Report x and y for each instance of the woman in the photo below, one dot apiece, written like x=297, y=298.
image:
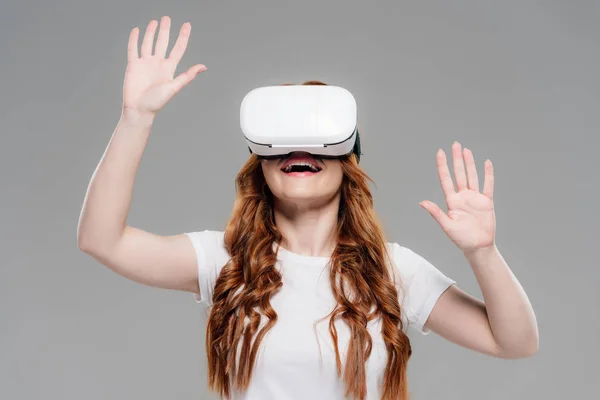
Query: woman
x=307, y=299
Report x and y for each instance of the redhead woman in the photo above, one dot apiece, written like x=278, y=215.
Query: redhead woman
x=307, y=298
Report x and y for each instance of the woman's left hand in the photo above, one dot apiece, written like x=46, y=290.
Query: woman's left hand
x=470, y=222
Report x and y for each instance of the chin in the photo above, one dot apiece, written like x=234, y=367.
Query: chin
x=304, y=190
x=299, y=195
x=305, y=196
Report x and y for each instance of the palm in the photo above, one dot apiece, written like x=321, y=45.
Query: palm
x=149, y=79
x=470, y=220
x=146, y=83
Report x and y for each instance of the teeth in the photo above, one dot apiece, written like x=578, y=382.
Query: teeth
x=289, y=167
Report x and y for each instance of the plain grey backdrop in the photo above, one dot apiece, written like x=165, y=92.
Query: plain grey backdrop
x=515, y=81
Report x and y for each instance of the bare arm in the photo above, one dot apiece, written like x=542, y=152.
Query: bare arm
x=504, y=324
x=159, y=261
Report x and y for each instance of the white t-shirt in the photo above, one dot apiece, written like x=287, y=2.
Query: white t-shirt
x=292, y=363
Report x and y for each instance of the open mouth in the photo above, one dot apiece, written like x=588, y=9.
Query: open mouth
x=301, y=168
x=300, y=164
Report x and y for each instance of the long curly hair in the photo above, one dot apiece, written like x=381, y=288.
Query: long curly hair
x=361, y=283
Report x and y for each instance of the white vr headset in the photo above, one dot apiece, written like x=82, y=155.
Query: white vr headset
x=318, y=119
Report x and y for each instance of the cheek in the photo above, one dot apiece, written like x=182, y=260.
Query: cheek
x=267, y=167
x=334, y=170
x=270, y=170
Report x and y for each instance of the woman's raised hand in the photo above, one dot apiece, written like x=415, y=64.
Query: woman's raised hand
x=149, y=78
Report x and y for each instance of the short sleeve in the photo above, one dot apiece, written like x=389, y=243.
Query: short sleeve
x=421, y=284
x=211, y=256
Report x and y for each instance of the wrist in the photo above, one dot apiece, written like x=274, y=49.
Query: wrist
x=481, y=253
x=135, y=117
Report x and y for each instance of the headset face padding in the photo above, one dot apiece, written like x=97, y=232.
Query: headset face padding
x=356, y=150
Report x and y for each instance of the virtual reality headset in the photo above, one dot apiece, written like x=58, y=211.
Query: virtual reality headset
x=318, y=119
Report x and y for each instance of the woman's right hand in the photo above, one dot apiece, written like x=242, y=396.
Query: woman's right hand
x=149, y=82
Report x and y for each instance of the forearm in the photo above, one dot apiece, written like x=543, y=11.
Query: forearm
x=108, y=198
x=510, y=314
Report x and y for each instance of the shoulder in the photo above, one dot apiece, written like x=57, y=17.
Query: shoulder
x=421, y=283
x=209, y=245
x=413, y=269
x=211, y=256
x=404, y=260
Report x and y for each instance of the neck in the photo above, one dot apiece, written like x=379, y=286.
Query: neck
x=308, y=231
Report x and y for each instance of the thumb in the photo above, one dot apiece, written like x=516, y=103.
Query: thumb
x=186, y=77
x=436, y=212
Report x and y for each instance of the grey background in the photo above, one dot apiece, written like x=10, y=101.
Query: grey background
x=515, y=81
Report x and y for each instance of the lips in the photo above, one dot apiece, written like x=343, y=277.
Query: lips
x=301, y=158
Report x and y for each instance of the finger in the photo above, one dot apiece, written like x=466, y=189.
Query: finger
x=444, y=174
x=149, y=38
x=132, y=45
x=471, y=170
x=162, y=42
x=437, y=213
x=181, y=43
x=488, y=183
x=459, y=167
x=186, y=77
